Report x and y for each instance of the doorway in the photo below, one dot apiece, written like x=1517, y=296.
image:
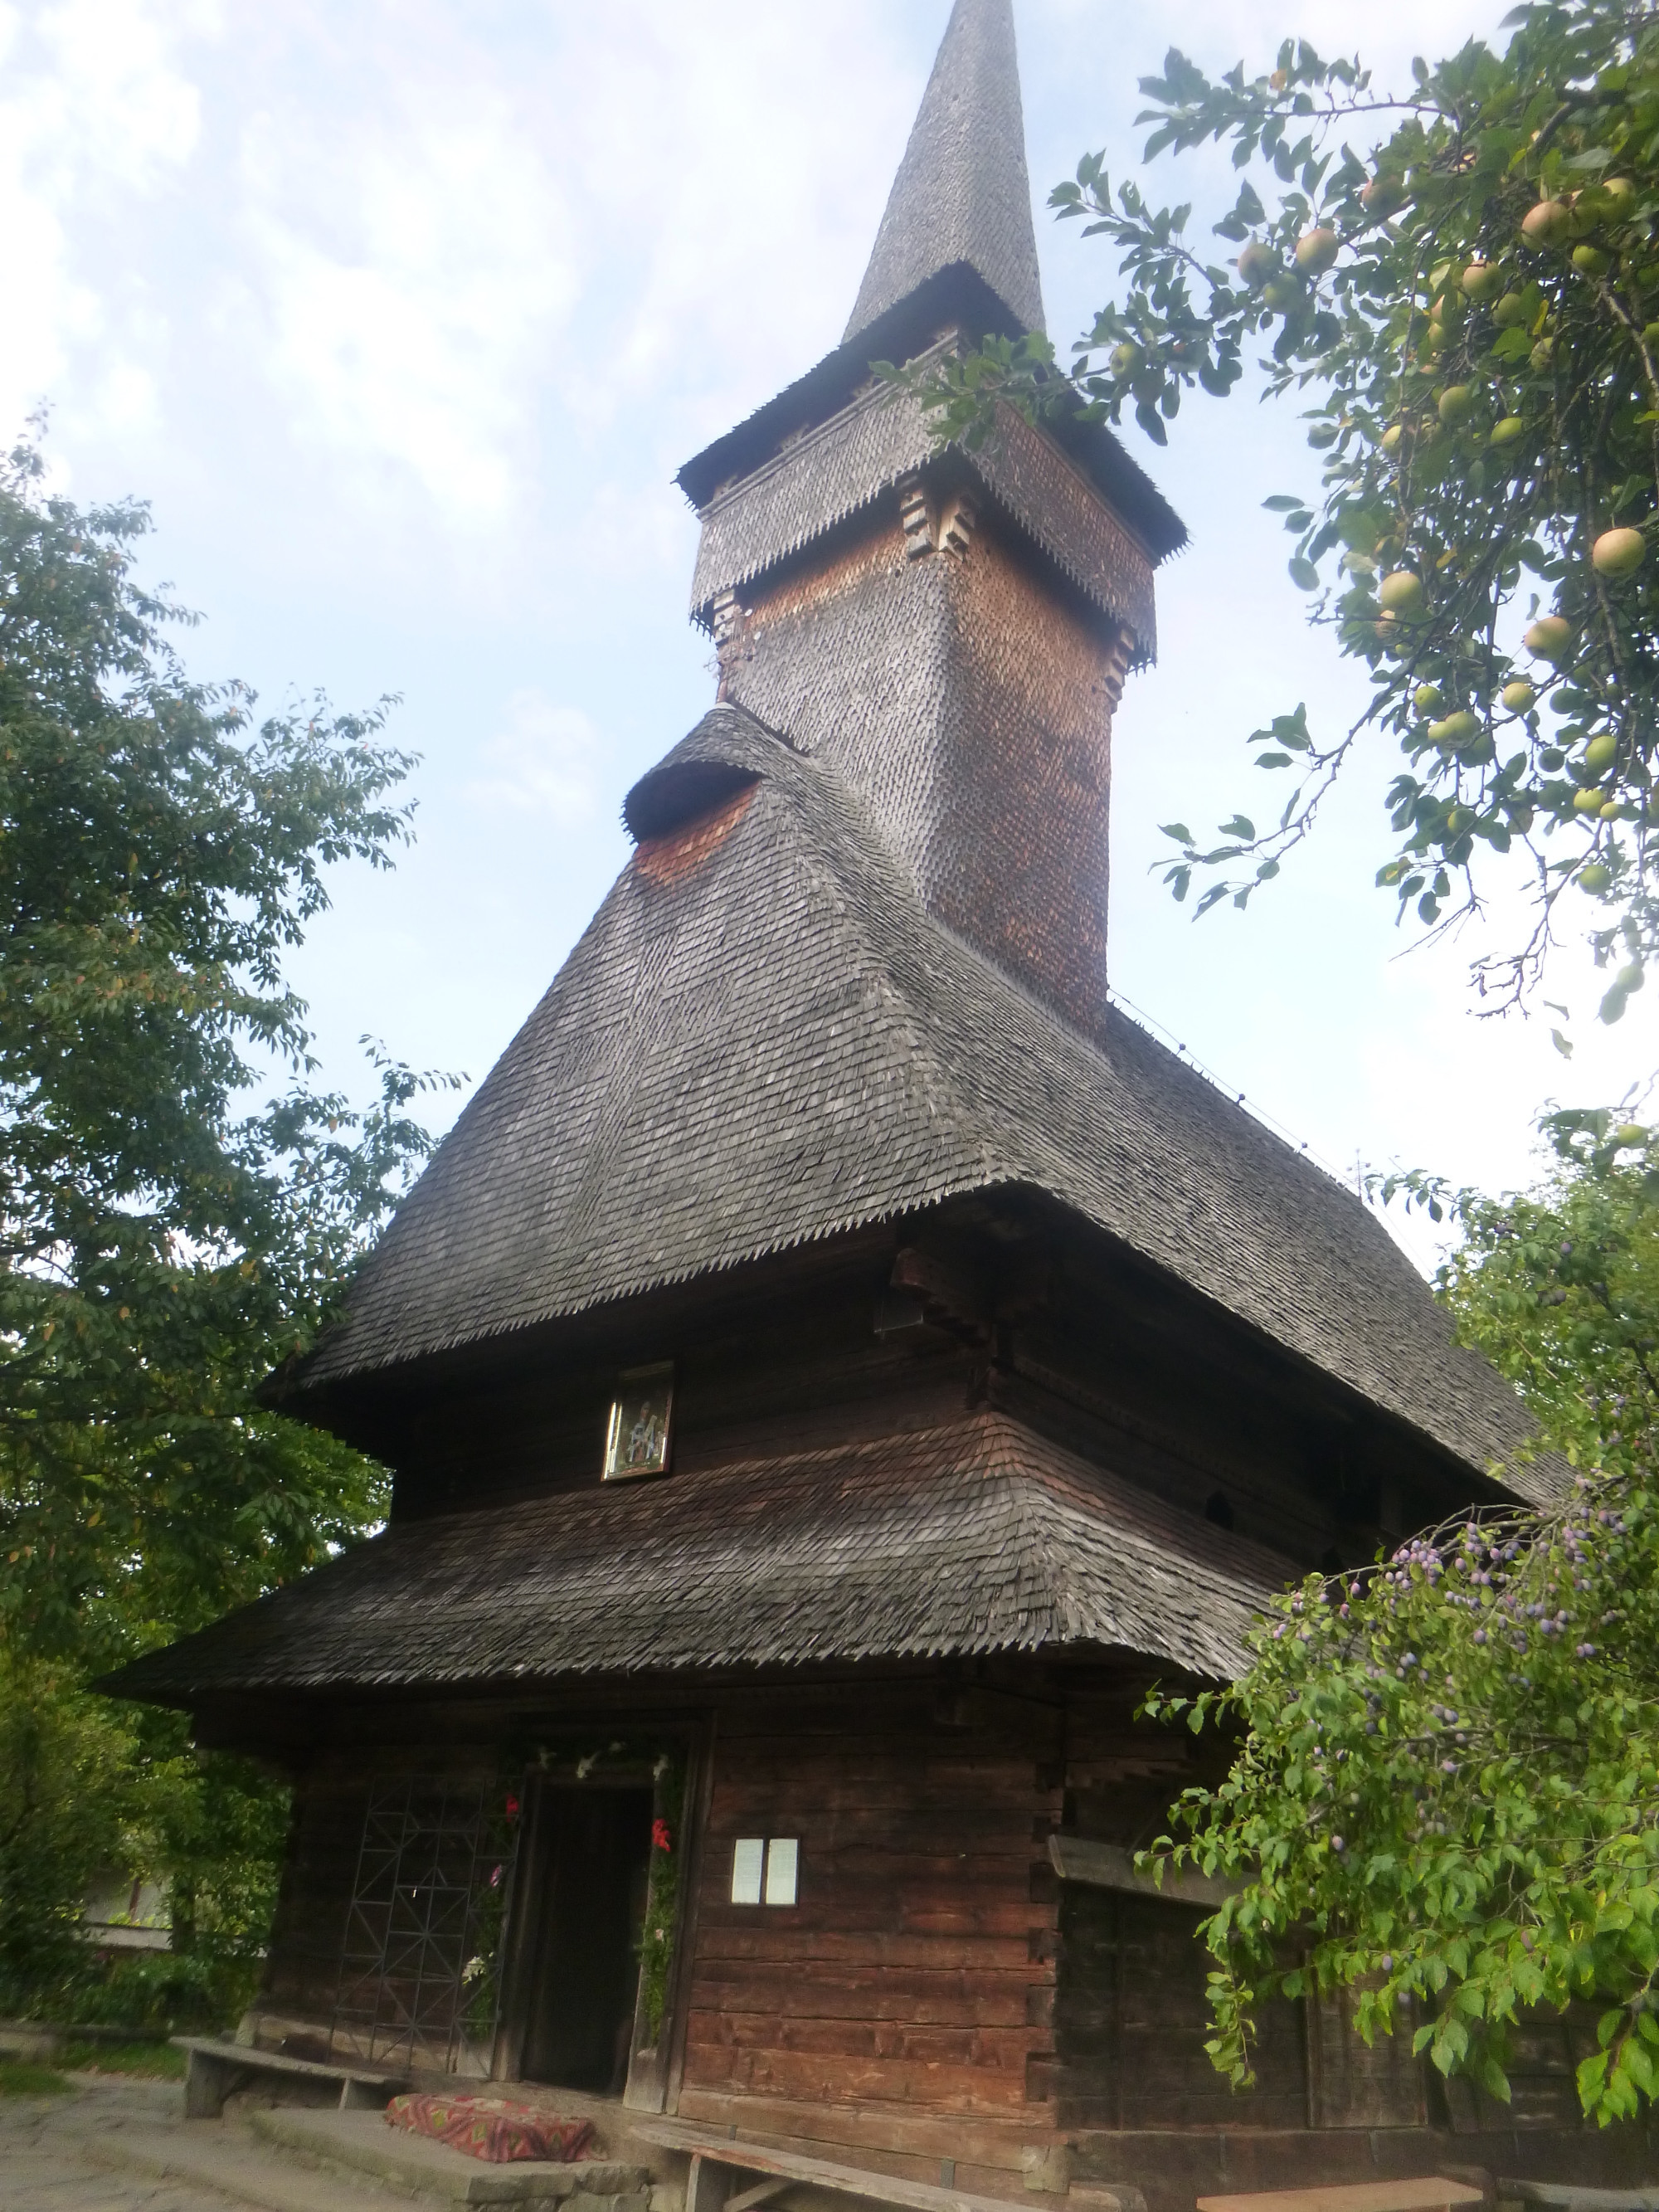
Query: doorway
x=586, y=1977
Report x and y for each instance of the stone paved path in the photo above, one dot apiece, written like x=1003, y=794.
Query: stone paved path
x=45, y=2164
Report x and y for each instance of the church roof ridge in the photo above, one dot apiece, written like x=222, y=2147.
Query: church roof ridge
x=963, y=193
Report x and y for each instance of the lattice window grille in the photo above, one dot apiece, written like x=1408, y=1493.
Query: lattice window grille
x=416, y=1982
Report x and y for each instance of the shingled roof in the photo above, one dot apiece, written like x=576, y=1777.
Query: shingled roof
x=961, y=194
x=975, y=1538
x=763, y=1038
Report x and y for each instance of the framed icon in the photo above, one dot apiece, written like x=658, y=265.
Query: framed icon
x=636, y=1442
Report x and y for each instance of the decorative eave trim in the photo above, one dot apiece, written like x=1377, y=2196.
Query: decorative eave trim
x=849, y=464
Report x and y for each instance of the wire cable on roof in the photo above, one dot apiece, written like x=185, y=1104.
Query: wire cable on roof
x=1150, y=1023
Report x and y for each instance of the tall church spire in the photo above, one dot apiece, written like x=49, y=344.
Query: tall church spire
x=962, y=193
x=947, y=631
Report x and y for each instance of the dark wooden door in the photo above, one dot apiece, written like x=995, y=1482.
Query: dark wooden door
x=580, y=2009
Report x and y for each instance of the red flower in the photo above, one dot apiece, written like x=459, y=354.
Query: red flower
x=512, y=1808
x=660, y=1840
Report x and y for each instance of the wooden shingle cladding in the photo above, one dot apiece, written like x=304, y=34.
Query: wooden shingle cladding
x=969, y=705
x=783, y=1047
x=852, y=466
x=962, y=193
x=977, y=1537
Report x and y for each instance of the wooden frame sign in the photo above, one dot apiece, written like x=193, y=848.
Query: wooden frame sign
x=636, y=1442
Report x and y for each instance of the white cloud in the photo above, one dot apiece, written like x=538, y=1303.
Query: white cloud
x=547, y=761
x=411, y=271
x=98, y=115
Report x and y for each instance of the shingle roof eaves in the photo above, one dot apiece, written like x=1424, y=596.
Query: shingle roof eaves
x=958, y=296
x=978, y=1537
x=313, y=1373
x=851, y=464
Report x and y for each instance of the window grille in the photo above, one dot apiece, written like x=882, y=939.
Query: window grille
x=418, y=1984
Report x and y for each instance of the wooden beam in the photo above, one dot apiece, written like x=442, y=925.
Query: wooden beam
x=1429, y=2192
x=710, y=2152
x=1106, y=1866
x=762, y=2193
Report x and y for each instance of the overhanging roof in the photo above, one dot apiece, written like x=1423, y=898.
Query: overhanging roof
x=978, y=1537
x=764, y=1039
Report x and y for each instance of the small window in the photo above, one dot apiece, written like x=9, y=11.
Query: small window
x=765, y=1870
x=636, y=1442
x=782, y=1866
x=748, y=1858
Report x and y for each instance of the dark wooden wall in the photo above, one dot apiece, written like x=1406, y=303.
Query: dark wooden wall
x=1045, y=1321
x=308, y=1935
x=1131, y=2019
x=936, y=1994
x=905, y=2001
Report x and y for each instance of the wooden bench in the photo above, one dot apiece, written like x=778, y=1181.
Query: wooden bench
x=1576, y=2196
x=719, y=2164
x=218, y=2068
x=1429, y=2192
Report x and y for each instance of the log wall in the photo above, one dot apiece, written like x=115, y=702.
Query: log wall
x=905, y=2001
x=937, y=2000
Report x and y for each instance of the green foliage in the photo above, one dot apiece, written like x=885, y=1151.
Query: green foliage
x=662, y=1902
x=20, y=2081
x=148, y=2062
x=1486, y=408
x=66, y=1815
x=1449, y=1771
x=166, y=1240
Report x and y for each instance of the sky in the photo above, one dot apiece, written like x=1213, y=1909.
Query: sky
x=401, y=315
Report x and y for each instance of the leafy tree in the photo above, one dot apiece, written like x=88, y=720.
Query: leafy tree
x=1449, y=1766
x=1472, y=309
x=166, y=1240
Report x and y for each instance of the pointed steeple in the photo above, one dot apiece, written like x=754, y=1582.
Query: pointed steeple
x=962, y=193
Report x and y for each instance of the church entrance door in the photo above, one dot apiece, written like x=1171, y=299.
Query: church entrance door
x=585, y=1981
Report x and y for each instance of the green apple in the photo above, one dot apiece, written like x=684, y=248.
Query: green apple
x=1547, y=223
x=1315, y=250
x=1400, y=592
x=1383, y=197
x=1618, y=552
x=1519, y=696
x=1456, y=404
x=1256, y=263
x=1550, y=637
x=1620, y=194
x=1600, y=752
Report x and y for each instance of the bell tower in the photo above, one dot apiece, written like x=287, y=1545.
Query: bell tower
x=950, y=630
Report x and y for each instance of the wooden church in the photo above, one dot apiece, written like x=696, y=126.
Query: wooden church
x=835, y=1364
